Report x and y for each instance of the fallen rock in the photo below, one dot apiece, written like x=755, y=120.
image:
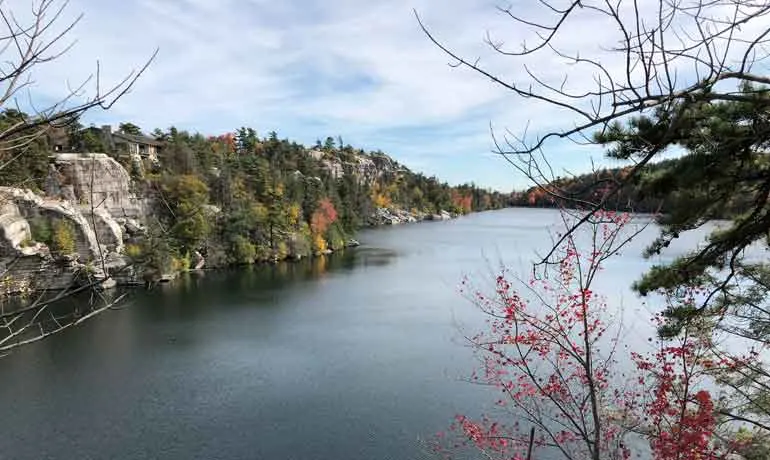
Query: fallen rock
x=133, y=227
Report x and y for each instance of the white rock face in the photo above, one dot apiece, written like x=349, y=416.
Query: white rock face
x=385, y=216
x=87, y=190
x=15, y=229
x=108, y=232
x=366, y=167
x=95, y=179
x=29, y=205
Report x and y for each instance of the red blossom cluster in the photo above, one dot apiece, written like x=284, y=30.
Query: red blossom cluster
x=678, y=412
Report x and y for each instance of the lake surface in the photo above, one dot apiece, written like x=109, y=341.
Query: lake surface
x=359, y=355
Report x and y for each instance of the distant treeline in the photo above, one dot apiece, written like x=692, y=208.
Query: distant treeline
x=646, y=192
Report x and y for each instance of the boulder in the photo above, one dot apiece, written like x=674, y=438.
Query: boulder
x=132, y=227
x=14, y=228
x=109, y=232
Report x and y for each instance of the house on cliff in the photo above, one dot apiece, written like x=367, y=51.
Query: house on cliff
x=120, y=143
x=59, y=139
x=103, y=140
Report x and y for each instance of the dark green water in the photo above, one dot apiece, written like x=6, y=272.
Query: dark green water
x=352, y=357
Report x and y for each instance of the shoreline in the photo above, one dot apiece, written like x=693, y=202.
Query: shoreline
x=382, y=217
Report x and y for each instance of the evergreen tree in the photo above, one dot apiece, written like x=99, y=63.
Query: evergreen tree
x=130, y=128
x=724, y=161
x=246, y=140
x=25, y=162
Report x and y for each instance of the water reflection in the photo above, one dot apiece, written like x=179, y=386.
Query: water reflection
x=374, y=257
x=329, y=351
x=259, y=285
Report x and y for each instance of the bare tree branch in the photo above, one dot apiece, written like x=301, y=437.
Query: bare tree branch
x=28, y=42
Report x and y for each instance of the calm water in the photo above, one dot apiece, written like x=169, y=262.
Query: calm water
x=356, y=356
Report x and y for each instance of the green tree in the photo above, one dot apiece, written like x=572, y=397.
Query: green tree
x=329, y=144
x=724, y=161
x=130, y=128
x=179, y=158
x=312, y=195
x=243, y=250
x=246, y=141
x=187, y=197
x=276, y=219
x=25, y=165
x=87, y=141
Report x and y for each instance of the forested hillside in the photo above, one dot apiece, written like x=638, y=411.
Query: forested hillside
x=272, y=198
x=239, y=198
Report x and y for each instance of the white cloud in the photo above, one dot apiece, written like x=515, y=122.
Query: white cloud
x=313, y=68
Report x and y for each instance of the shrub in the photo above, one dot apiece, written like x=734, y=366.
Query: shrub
x=301, y=243
x=264, y=252
x=63, y=238
x=319, y=244
x=186, y=196
x=181, y=264
x=282, y=250
x=134, y=251
x=244, y=252
x=156, y=252
x=40, y=229
x=336, y=238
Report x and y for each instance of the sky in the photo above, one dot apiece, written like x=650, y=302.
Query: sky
x=308, y=69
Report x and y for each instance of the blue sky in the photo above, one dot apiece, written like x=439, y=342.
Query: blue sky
x=310, y=68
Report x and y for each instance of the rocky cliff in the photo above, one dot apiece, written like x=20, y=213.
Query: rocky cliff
x=366, y=168
x=75, y=230
x=95, y=181
x=89, y=195
x=88, y=224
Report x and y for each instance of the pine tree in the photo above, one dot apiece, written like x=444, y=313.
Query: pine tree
x=725, y=168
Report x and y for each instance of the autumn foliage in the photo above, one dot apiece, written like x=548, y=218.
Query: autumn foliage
x=223, y=144
x=680, y=420
x=683, y=409
x=542, y=195
x=553, y=354
x=463, y=203
x=380, y=196
x=546, y=359
x=323, y=217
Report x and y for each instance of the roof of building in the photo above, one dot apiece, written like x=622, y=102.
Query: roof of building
x=141, y=139
x=138, y=139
